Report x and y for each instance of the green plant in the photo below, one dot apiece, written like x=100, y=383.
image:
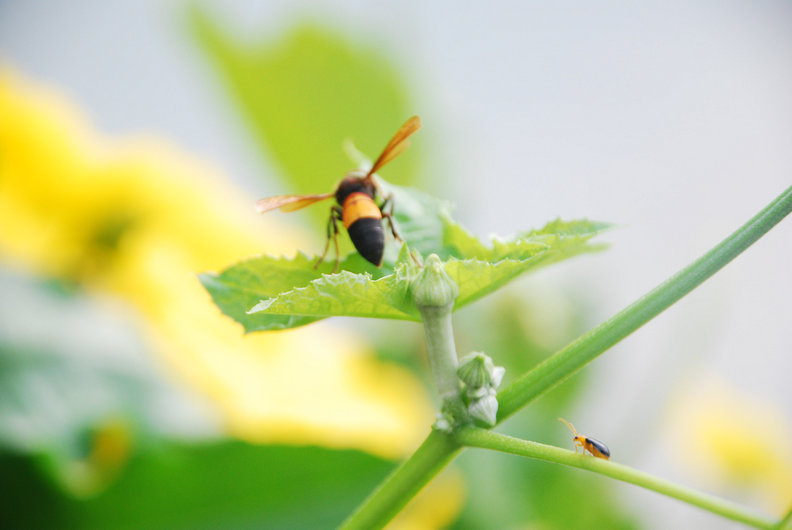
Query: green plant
x=268, y=293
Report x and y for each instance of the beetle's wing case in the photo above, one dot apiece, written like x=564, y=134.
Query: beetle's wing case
x=599, y=447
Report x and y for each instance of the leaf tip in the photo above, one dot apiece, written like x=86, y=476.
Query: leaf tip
x=263, y=305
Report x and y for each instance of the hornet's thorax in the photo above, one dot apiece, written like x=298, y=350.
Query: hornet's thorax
x=357, y=208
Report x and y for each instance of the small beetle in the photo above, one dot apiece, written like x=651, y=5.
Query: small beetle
x=595, y=447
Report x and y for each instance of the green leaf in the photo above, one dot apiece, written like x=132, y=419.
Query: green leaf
x=425, y=223
x=349, y=294
x=242, y=286
x=269, y=293
x=305, y=92
x=421, y=219
x=193, y=486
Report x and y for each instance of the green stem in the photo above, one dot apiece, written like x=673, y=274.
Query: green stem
x=786, y=522
x=441, y=351
x=476, y=437
x=434, y=293
x=436, y=452
x=404, y=483
x=572, y=358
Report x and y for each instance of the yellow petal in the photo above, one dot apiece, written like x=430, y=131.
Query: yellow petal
x=137, y=219
x=734, y=440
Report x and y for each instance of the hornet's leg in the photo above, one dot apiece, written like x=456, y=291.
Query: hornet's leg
x=332, y=233
x=389, y=215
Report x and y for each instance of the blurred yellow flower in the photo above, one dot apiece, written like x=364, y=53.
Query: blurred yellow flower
x=735, y=441
x=136, y=219
x=436, y=506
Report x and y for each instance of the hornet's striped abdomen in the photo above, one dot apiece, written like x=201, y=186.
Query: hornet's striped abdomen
x=363, y=220
x=358, y=205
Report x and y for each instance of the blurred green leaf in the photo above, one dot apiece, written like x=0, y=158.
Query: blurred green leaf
x=77, y=386
x=421, y=219
x=221, y=485
x=52, y=399
x=305, y=92
x=287, y=293
x=563, y=498
x=521, y=328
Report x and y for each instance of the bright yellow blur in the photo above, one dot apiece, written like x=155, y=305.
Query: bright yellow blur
x=137, y=219
x=735, y=441
x=435, y=506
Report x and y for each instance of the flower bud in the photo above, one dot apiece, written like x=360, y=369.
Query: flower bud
x=452, y=414
x=433, y=287
x=497, y=374
x=443, y=423
x=485, y=409
x=476, y=393
x=477, y=370
x=473, y=370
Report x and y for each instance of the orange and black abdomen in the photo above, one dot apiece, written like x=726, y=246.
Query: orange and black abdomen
x=363, y=220
x=597, y=448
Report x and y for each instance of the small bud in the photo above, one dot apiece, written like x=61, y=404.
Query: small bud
x=451, y=414
x=473, y=370
x=497, y=375
x=433, y=287
x=477, y=393
x=443, y=423
x=477, y=370
x=485, y=409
